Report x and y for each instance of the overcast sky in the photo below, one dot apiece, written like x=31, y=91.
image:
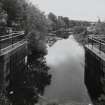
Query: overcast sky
x=75, y=9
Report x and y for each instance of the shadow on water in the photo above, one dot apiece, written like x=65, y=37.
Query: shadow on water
x=66, y=60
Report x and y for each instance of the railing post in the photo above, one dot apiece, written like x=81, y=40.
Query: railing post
x=92, y=42
x=88, y=41
x=100, y=47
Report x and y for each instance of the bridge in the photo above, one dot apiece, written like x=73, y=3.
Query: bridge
x=13, y=55
x=95, y=68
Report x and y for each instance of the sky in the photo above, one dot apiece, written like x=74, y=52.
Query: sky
x=74, y=9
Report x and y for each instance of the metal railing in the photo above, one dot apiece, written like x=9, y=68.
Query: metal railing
x=97, y=41
x=9, y=39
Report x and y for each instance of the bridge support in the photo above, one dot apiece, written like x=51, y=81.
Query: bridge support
x=95, y=75
x=11, y=61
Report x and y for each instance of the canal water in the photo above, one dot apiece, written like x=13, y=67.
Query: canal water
x=66, y=60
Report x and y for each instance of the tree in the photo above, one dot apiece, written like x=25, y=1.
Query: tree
x=27, y=83
x=53, y=18
x=15, y=10
x=100, y=28
x=79, y=29
x=3, y=20
x=60, y=22
x=67, y=22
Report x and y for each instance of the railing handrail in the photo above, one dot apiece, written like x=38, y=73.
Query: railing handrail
x=14, y=33
x=9, y=36
x=100, y=39
x=97, y=42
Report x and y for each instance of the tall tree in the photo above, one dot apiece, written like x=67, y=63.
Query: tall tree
x=3, y=19
x=15, y=10
x=100, y=27
x=60, y=22
x=67, y=22
x=53, y=18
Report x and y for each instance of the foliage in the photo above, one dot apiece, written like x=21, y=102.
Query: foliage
x=79, y=29
x=52, y=17
x=100, y=28
x=40, y=76
x=53, y=21
x=67, y=22
x=73, y=23
x=3, y=19
x=80, y=34
x=15, y=10
x=25, y=84
x=60, y=23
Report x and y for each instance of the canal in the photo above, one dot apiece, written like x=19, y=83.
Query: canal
x=66, y=60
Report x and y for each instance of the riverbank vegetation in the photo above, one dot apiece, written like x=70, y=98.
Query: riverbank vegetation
x=16, y=15
x=95, y=28
x=63, y=27
x=26, y=84
x=58, y=25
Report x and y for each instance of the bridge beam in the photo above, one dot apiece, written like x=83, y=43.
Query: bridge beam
x=12, y=59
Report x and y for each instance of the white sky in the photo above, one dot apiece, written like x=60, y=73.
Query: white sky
x=75, y=9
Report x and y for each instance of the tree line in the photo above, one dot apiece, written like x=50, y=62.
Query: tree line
x=61, y=24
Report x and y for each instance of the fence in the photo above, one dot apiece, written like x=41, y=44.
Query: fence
x=9, y=39
x=97, y=41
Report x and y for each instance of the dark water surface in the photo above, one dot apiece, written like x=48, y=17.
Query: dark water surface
x=66, y=59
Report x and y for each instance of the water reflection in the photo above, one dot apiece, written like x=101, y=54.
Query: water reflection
x=66, y=59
